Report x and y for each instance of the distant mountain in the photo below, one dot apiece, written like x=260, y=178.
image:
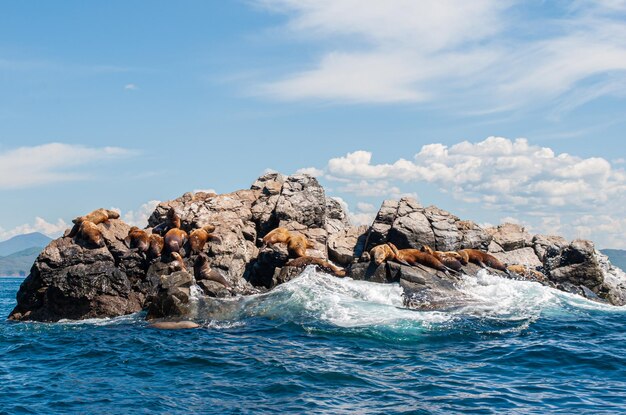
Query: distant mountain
x=617, y=257
x=19, y=263
x=21, y=242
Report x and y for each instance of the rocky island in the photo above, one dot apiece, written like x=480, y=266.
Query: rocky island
x=74, y=278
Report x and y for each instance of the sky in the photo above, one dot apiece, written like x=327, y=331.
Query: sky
x=494, y=110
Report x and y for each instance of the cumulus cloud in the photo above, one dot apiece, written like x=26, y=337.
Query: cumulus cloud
x=131, y=87
x=359, y=217
x=50, y=163
x=495, y=172
x=546, y=191
x=494, y=53
x=139, y=217
x=53, y=230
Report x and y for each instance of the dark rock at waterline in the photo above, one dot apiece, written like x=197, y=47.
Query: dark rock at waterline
x=172, y=297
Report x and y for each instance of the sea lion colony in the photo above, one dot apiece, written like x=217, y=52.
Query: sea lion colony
x=170, y=243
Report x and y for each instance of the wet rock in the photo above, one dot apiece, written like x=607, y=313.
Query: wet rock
x=577, y=264
x=346, y=245
x=173, y=296
x=71, y=281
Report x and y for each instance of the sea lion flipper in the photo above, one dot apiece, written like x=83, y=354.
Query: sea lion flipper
x=403, y=262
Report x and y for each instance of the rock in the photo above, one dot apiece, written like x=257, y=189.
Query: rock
x=541, y=243
x=521, y=256
x=424, y=288
x=302, y=200
x=408, y=225
x=346, y=245
x=69, y=281
x=173, y=296
x=577, y=264
x=510, y=236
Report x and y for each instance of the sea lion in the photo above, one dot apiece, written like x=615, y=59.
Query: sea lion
x=138, y=239
x=297, y=243
x=96, y=217
x=482, y=259
x=174, y=325
x=175, y=239
x=178, y=264
x=172, y=221
x=156, y=245
x=199, y=237
x=89, y=233
x=382, y=253
x=325, y=266
x=415, y=256
x=278, y=235
x=203, y=271
x=526, y=272
x=450, y=259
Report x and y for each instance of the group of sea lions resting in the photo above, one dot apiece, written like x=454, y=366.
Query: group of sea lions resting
x=445, y=261
x=169, y=241
x=86, y=227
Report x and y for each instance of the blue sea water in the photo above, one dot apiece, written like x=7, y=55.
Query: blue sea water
x=319, y=344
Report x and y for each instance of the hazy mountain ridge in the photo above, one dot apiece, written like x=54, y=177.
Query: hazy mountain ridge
x=21, y=242
x=18, y=254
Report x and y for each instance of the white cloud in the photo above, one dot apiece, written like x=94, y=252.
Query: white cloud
x=53, y=230
x=311, y=171
x=139, y=217
x=545, y=191
x=358, y=218
x=489, y=52
x=50, y=163
x=496, y=172
x=131, y=87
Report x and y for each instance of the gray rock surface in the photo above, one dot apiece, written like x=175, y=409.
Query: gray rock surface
x=511, y=236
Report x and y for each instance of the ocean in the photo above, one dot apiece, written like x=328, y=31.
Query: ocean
x=322, y=345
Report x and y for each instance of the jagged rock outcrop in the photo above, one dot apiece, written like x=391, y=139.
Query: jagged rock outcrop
x=576, y=268
x=72, y=280
x=407, y=224
x=172, y=298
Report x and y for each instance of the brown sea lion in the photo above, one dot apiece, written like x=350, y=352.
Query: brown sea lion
x=156, y=245
x=174, y=325
x=138, y=239
x=178, y=264
x=415, y=256
x=199, y=237
x=278, y=235
x=96, y=217
x=297, y=243
x=172, y=221
x=175, y=239
x=203, y=271
x=450, y=259
x=325, y=266
x=527, y=272
x=89, y=233
x=382, y=253
x=482, y=259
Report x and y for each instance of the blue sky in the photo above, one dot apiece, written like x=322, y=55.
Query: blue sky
x=121, y=103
